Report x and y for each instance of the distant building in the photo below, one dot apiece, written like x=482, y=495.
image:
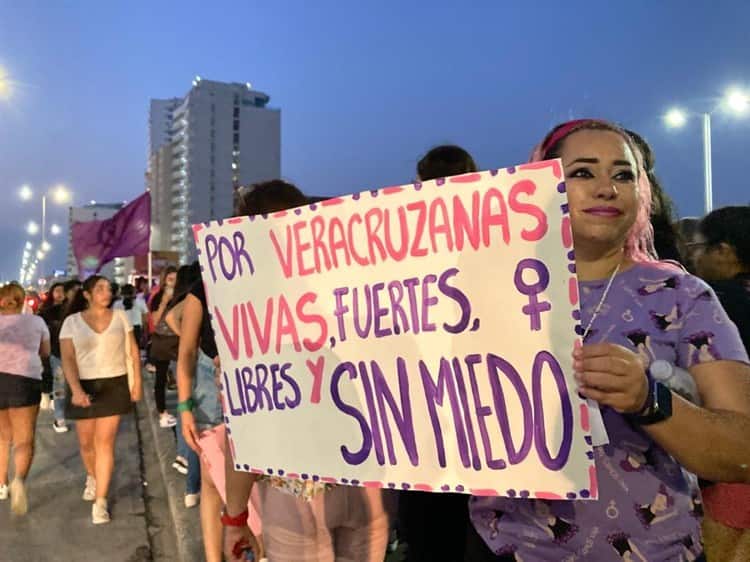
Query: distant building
x=201, y=148
x=117, y=270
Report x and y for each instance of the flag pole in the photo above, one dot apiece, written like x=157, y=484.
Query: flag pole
x=149, y=259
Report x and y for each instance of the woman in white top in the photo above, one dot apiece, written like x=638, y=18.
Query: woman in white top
x=93, y=342
x=24, y=341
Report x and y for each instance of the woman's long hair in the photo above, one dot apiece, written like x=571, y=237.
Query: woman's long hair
x=187, y=275
x=639, y=243
x=79, y=302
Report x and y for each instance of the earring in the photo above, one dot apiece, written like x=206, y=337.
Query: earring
x=614, y=188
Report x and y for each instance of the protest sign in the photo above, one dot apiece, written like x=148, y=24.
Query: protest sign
x=412, y=337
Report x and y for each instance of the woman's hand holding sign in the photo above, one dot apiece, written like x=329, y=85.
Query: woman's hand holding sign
x=612, y=375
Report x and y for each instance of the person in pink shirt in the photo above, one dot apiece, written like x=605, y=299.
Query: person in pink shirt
x=24, y=342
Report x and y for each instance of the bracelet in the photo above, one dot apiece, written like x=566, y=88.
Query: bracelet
x=236, y=521
x=185, y=405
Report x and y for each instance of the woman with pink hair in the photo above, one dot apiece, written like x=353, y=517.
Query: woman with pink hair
x=645, y=514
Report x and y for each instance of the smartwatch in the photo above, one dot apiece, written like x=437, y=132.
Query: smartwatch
x=658, y=406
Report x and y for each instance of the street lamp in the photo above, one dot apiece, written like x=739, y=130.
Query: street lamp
x=25, y=192
x=60, y=195
x=736, y=102
x=675, y=118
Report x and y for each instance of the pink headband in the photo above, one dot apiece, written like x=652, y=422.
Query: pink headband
x=564, y=130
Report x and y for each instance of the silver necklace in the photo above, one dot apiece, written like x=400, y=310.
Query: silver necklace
x=601, y=301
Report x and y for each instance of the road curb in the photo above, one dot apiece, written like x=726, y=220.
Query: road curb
x=186, y=521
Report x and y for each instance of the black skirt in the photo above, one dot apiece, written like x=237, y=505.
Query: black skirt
x=109, y=397
x=17, y=391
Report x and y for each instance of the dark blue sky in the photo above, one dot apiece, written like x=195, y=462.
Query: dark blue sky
x=364, y=87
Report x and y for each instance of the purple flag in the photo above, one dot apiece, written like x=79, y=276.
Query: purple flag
x=96, y=243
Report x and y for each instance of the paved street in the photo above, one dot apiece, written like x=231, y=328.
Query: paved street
x=58, y=526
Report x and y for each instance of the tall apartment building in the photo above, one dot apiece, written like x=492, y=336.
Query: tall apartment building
x=202, y=147
x=117, y=270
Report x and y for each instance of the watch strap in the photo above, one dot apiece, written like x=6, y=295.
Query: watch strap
x=660, y=407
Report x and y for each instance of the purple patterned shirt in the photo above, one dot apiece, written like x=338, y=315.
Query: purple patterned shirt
x=648, y=510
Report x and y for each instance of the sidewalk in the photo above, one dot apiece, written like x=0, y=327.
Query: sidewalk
x=58, y=525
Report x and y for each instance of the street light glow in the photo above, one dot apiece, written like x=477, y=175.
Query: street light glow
x=39, y=255
x=60, y=195
x=46, y=246
x=25, y=193
x=55, y=230
x=675, y=118
x=737, y=101
x=6, y=85
x=32, y=228
x=28, y=245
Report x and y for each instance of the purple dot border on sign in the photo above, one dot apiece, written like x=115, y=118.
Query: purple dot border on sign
x=561, y=187
x=510, y=170
x=417, y=185
x=460, y=488
x=445, y=488
x=355, y=196
x=511, y=493
x=571, y=495
x=246, y=467
x=585, y=493
x=298, y=211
